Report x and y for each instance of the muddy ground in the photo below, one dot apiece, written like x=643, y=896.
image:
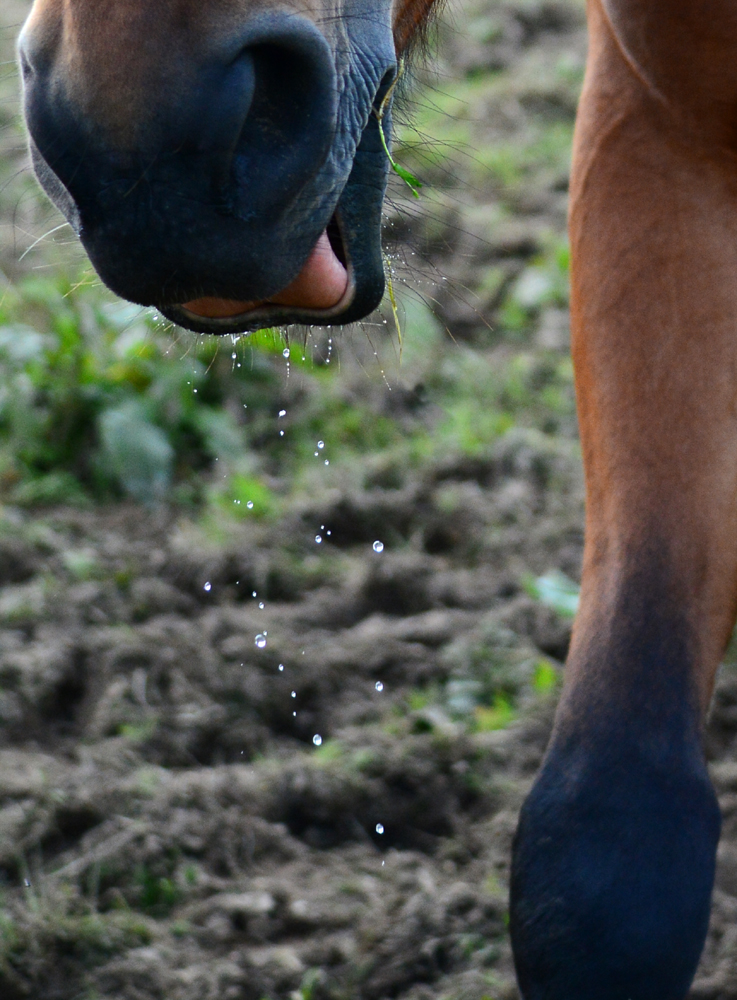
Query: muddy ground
x=248, y=764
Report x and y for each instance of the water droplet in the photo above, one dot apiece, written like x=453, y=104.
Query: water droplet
x=250, y=506
x=294, y=694
x=327, y=461
x=261, y=605
x=294, y=715
x=379, y=828
x=282, y=413
x=281, y=434
x=318, y=539
x=320, y=445
x=207, y=587
x=260, y=640
x=317, y=739
x=194, y=390
x=379, y=686
x=234, y=355
x=328, y=533
x=285, y=352
x=383, y=863
x=378, y=546
x=254, y=594
x=281, y=666
x=315, y=454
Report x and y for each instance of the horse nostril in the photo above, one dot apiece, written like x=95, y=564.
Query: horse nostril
x=289, y=127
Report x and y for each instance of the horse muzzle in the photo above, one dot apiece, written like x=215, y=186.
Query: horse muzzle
x=232, y=194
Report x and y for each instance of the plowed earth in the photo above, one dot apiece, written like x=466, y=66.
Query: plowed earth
x=206, y=799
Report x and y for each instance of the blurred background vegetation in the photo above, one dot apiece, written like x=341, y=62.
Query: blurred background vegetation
x=102, y=400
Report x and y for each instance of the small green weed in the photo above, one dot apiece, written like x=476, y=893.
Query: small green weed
x=496, y=716
x=156, y=895
x=545, y=679
x=555, y=590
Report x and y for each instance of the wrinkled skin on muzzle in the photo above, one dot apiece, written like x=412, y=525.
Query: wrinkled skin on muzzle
x=219, y=159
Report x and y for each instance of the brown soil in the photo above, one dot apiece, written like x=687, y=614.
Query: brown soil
x=191, y=814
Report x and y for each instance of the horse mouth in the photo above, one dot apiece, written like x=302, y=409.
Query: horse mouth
x=321, y=292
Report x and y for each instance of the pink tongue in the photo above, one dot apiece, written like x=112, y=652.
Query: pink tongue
x=320, y=284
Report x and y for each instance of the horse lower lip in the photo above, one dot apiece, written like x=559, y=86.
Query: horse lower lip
x=320, y=285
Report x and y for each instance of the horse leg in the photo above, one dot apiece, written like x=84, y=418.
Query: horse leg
x=613, y=860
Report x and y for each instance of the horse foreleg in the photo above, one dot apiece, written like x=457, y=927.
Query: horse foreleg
x=614, y=856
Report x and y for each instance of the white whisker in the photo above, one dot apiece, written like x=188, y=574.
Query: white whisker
x=41, y=238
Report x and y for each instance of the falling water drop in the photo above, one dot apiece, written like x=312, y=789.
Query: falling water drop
x=317, y=739
x=294, y=694
x=260, y=640
x=379, y=686
x=281, y=667
x=379, y=828
x=207, y=587
x=286, y=352
x=250, y=505
x=261, y=605
x=318, y=539
x=378, y=546
x=282, y=413
x=320, y=445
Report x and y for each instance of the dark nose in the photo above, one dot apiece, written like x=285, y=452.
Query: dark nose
x=261, y=114
x=234, y=137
